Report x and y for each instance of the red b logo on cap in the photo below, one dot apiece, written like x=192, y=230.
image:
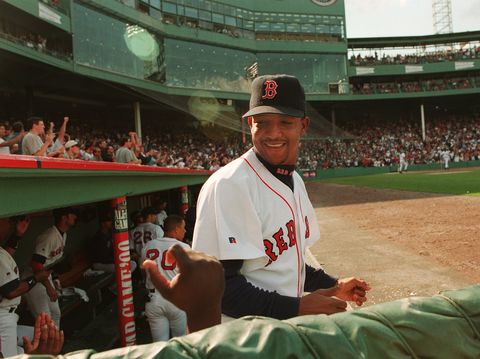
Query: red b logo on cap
x=270, y=89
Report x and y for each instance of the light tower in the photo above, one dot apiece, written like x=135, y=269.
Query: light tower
x=442, y=16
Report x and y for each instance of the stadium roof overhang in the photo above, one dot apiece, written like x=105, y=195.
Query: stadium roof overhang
x=31, y=184
x=412, y=41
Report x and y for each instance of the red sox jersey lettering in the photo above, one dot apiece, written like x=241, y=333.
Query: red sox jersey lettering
x=268, y=223
x=270, y=90
x=154, y=253
x=56, y=251
x=279, y=245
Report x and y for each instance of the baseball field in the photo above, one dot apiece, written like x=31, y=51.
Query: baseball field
x=457, y=182
x=407, y=234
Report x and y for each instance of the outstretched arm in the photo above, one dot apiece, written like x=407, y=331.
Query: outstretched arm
x=197, y=288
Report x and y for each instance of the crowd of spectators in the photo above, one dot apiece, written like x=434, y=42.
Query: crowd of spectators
x=369, y=88
x=380, y=143
x=52, y=45
x=472, y=52
x=179, y=149
x=372, y=143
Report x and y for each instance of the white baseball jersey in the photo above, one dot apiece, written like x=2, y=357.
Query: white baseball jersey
x=161, y=216
x=245, y=212
x=8, y=318
x=446, y=156
x=144, y=233
x=49, y=244
x=156, y=250
x=8, y=273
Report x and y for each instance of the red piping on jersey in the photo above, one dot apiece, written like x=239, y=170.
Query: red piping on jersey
x=294, y=222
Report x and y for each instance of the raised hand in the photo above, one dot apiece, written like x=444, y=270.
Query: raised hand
x=197, y=288
x=47, y=338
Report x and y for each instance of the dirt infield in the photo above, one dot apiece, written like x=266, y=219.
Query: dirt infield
x=403, y=243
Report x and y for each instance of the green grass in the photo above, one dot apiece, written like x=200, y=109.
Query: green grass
x=458, y=183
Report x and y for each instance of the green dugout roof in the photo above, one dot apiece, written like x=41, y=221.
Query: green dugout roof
x=30, y=184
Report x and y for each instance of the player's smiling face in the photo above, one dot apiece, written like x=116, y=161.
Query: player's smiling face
x=276, y=137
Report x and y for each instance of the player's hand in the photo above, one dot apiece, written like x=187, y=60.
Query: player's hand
x=65, y=119
x=22, y=226
x=197, y=288
x=352, y=289
x=47, y=338
x=42, y=276
x=321, y=302
x=52, y=293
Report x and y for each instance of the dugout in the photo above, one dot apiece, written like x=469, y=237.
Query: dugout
x=31, y=185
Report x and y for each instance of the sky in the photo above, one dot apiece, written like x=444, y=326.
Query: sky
x=381, y=18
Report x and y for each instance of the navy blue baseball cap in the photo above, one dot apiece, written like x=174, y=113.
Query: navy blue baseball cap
x=278, y=94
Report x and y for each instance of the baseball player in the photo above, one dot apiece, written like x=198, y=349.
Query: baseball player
x=162, y=315
x=161, y=206
x=12, y=288
x=145, y=232
x=254, y=215
x=403, y=163
x=445, y=155
x=48, y=250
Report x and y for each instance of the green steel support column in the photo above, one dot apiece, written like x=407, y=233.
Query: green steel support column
x=138, y=119
x=422, y=114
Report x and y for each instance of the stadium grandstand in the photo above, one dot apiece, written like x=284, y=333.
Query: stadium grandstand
x=173, y=77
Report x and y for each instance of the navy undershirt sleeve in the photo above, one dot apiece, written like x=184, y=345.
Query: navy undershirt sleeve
x=39, y=258
x=9, y=287
x=317, y=279
x=242, y=298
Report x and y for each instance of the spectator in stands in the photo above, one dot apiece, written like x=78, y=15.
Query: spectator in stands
x=86, y=154
x=125, y=154
x=72, y=151
x=5, y=144
x=32, y=143
x=17, y=129
x=58, y=144
x=97, y=154
x=104, y=149
x=48, y=251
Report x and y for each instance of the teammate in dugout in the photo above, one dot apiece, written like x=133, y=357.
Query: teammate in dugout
x=163, y=316
x=255, y=216
x=48, y=251
x=11, y=290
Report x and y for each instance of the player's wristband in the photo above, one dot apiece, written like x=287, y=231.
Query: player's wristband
x=12, y=241
x=31, y=281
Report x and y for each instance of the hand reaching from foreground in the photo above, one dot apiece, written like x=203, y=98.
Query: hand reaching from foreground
x=47, y=338
x=197, y=288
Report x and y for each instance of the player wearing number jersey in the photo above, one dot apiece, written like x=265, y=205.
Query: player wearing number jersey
x=255, y=216
x=146, y=231
x=162, y=315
